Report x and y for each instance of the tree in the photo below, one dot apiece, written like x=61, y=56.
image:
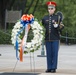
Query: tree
x=4, y=4
x=29, y=6
x=35, y=7
x=38, y=8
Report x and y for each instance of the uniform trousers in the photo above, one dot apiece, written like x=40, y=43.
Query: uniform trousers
x=52, y=48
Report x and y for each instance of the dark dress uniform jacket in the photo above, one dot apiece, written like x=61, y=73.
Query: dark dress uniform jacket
x=51, y=33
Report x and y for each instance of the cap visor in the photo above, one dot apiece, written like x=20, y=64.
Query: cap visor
x=51, y=6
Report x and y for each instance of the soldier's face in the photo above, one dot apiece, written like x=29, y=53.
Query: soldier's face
x=51, y=10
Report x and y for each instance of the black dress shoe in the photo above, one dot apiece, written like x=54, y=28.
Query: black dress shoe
x=48, y=70
x=53, y=70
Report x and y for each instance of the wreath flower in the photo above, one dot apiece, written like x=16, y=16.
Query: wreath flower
x=24, y=25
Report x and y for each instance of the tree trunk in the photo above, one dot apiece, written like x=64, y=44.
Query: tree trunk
x=2, y=13
x=29, y=7
x=3, y=6
x=35, y=7
x=10, y=4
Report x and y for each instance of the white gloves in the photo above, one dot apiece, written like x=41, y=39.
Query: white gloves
x=55, y=25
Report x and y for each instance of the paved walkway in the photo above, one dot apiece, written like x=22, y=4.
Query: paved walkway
x=36, y=65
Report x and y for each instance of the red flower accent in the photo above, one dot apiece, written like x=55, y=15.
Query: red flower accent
x=27, y=17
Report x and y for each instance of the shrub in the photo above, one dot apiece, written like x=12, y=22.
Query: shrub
x=5, y=37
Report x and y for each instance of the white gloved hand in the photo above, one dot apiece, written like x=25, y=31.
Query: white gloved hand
x=55, y=25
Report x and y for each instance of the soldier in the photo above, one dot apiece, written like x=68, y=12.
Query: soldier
x=53, y=25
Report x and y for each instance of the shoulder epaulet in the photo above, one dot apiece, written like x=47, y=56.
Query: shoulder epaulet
x=45, y=16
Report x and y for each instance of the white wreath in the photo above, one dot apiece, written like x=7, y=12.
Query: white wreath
x=35, y=43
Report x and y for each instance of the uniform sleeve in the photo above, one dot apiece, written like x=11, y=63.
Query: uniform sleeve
x=60, y=19
x=43, y=22
x=60, y=23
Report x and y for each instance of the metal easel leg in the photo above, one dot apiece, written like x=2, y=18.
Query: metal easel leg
x=32, y=66
x=15, y=66
x=34, y=62
x=30, y=62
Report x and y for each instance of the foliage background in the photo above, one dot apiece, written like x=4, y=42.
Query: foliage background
x=38, y=8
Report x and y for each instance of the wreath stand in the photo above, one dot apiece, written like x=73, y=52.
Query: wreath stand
x=32, y=66
x=19, y=26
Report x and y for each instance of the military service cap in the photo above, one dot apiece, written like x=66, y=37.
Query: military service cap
x=51, y=4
